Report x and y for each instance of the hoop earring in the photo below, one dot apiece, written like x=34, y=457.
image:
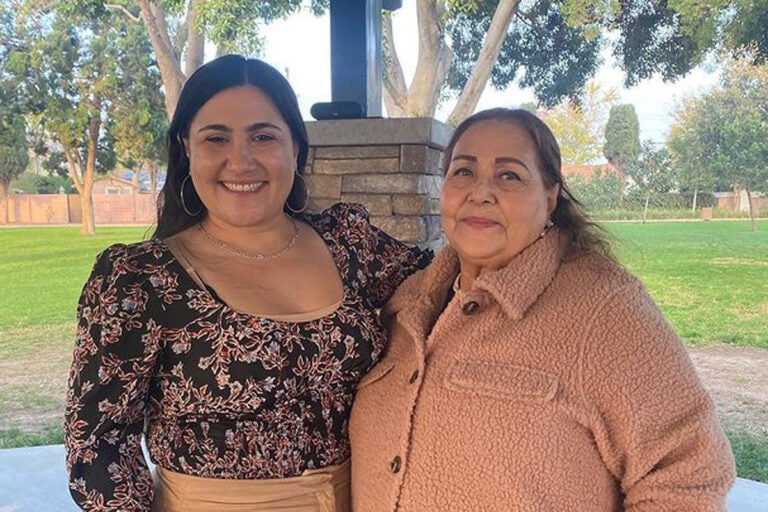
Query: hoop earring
x=184, y=203
x=306, y=196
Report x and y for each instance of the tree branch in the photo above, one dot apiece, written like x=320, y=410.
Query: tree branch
x=124, y=10
x=170, y=70
x=395, y=90
x=195, y=40
x=72, y=167
x=497, y=33
x=433, y=60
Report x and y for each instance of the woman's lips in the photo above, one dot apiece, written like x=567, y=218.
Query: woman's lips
x=479, y=222
x=253, y=186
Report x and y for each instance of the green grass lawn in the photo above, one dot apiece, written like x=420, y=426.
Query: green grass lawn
x=709, y=278
x=42, y=271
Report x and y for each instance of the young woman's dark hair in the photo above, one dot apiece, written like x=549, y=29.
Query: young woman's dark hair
x=569, y=215
x=173, y=216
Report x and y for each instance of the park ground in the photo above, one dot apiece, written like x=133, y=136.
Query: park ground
x=710, y=279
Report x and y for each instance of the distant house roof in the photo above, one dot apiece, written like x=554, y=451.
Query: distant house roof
x=115, y=178
x=588, y=171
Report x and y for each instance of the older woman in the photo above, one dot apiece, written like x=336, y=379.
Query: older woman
x=527, y=370
x=234, y=339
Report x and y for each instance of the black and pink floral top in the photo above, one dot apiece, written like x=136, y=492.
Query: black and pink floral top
x=218, y=392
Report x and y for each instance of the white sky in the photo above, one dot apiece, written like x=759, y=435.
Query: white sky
x=300, y=47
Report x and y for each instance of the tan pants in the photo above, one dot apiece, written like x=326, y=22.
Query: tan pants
x=319, y=490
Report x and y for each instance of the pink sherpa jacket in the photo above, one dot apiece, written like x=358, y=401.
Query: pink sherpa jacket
x=551, y=386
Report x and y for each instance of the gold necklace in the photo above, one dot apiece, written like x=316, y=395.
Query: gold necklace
x=253, y=255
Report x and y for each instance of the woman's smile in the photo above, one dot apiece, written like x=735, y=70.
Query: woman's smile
x=253, y=186
x=479, y=222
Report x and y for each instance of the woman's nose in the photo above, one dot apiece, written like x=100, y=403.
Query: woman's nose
x=241, y=154
x=482, y=191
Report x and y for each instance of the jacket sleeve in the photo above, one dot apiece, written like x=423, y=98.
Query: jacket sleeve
x=384, y=261
x=116, y=350
x=653, y=423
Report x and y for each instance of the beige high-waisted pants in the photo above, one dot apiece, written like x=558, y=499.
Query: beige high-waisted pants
x=319, y=490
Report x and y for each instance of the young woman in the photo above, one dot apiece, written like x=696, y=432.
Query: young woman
x=234, y=339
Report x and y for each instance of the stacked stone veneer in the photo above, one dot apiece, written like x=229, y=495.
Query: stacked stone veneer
x=391, y=166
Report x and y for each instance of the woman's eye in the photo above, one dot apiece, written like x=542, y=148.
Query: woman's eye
x=509, y=176
x=262, y=137
x=216, y=139
x=462, y=171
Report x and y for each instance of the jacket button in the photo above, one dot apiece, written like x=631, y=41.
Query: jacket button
x=470, y=307
x=414, y=376
x=395, y=464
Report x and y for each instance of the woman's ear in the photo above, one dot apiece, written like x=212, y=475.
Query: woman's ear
x=552, y=195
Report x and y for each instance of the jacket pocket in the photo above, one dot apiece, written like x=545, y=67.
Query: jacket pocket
x=379, y=371
x=504, y=381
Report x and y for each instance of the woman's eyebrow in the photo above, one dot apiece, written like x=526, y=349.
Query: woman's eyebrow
x=499, y=160
x=511, y=160
x=227, y=129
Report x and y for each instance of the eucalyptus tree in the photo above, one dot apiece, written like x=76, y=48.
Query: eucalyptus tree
x=735, y=27
x=687, y=152
x=14, y=156
x=138, y=122
x=178, y=30
x=551, y=46
x=726, y=130
x=652, y=173
x=76, y=69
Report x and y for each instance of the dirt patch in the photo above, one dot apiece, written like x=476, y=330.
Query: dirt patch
x=32, y=391
x=737, y=380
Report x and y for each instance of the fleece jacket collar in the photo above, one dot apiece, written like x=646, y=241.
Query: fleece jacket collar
x=514, y=287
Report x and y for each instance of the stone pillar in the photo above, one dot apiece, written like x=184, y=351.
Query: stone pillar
x=391, y=166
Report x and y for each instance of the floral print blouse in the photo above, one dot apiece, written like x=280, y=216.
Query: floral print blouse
x=218, y=392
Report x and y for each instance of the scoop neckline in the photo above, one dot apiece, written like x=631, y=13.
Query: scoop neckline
x=332, y=246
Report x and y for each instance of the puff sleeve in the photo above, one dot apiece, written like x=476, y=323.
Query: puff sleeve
x=382, y=262
x=115, y=356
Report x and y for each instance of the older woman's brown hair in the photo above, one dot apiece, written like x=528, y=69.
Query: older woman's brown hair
x=569, y=214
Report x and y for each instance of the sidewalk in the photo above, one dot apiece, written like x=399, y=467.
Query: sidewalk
x=33, y=480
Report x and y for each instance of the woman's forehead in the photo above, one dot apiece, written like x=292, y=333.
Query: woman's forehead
x=496, y=136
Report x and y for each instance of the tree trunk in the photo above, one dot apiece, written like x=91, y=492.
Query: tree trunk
x=4, y=202
x=88, y=227
x=195, y=40
x=152, y=169
x=75, y=168
x=394, y=91
x=433, y=61
x=749, y=206
x=497, y=33
x=645, y=211
x=167, y=63
x=135, y=182
x=695, y=196
x=86, y=199
x=82, y=174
